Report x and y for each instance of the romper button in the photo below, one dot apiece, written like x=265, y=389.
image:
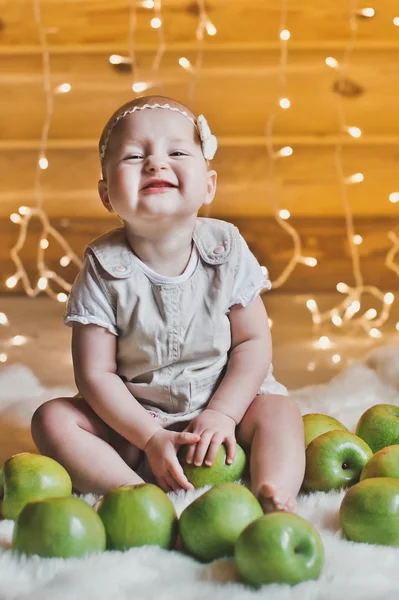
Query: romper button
x=120, y=268
x=218, y=250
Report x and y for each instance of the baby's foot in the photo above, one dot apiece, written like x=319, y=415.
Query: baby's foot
x=274, y=499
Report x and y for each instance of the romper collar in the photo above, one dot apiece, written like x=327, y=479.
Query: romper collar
x=213, y=238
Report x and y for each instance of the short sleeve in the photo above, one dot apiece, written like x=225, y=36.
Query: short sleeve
x=88, y=302
x=249, y=279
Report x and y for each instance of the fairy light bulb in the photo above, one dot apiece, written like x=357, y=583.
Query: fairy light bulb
x=336, y=358
x=116, y=59
x=43, y=163
x=3, y=319
x=285, y=151
x=357, y=239
x=397, y=326
x=284, y=214
x=44, y=243
x=18, y=340
x=61, y=297
x=63, y=88
x=23, y=210
x=309, y=261
x=140, y=86
x=12, y=281
x=42, y=283
x=389, y=298
x=311, y=366
x=185, y=63
x=396, y=21
x=64, y=261
x=394, y=197
x=3, y=357
x=370, y=314
x=342, y=287
x=15, y=218
x=210, y=28
x=148, y=4
x=284, y=103
x=285, y=35
x=375, y=333
x=336, y=320
x=355, y=178
x=156, y=23
x=366, y=12
x=324, y=342
x=331, y=62
x=311, y=304
x=355, y=132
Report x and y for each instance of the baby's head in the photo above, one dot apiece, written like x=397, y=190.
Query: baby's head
x=150, y=140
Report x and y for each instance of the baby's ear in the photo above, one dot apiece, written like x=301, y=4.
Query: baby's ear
x=211, y=186
x=103, y=193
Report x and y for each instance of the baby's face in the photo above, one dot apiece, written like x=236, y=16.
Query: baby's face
x=155, y=167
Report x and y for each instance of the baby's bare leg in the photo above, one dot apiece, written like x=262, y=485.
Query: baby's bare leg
x=273, y=428
x=96, y=457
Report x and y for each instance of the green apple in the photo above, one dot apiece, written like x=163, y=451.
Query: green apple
x=334, y=460
x=218, y=472
x=58, y=527
x=379, y=426
x=369, y=512
x=279, y=548
x=315, y=424
x=210, y=526
x=138, y=515
x=384, y=463
x=27, y=477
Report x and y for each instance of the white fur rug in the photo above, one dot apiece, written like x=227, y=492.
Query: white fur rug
x=352, y=571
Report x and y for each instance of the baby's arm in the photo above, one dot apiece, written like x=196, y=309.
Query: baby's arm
x=94, y=361
x=249, y=361
x=248, y=365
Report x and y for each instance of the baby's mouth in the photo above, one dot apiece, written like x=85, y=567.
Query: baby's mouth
x=161, y=184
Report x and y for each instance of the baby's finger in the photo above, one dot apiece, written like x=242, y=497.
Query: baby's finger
x=190, y=453
x=202, y=448
x=230, y=450
x=163, y=484
x=213, y=450
x=184, y=437
x=174, y=486
x=178, y=474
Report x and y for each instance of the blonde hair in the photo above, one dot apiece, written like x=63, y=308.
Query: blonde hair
x=128, y=108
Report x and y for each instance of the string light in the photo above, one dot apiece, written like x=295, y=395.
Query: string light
x=284, y=213
x=354, y=131
x=3, y=319
x=3, y=357
x=350, y=306
x=43, y=163
x=18, y=340
x=355, y=178
x=286, y=151
x=273, y=155
x=336, y=358
x=284, y=103
x=147, y=4
x=210, y=28
x=396, y=21
x=15, y=218
x=185, y=63
x=156, y=23
x=332, y=62
x=27, y=213
x=140, y=86
x=394, y=197
x=64, y=88
x=366, y=12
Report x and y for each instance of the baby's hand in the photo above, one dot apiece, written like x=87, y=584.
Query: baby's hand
x=215, y=428
x=161, y=451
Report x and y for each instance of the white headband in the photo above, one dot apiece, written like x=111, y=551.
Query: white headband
x=209, y=142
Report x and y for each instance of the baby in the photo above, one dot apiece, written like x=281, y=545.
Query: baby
x=170, y=338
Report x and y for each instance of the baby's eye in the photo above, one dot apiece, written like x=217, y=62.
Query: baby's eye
x=133, y=157
x=178, y=153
